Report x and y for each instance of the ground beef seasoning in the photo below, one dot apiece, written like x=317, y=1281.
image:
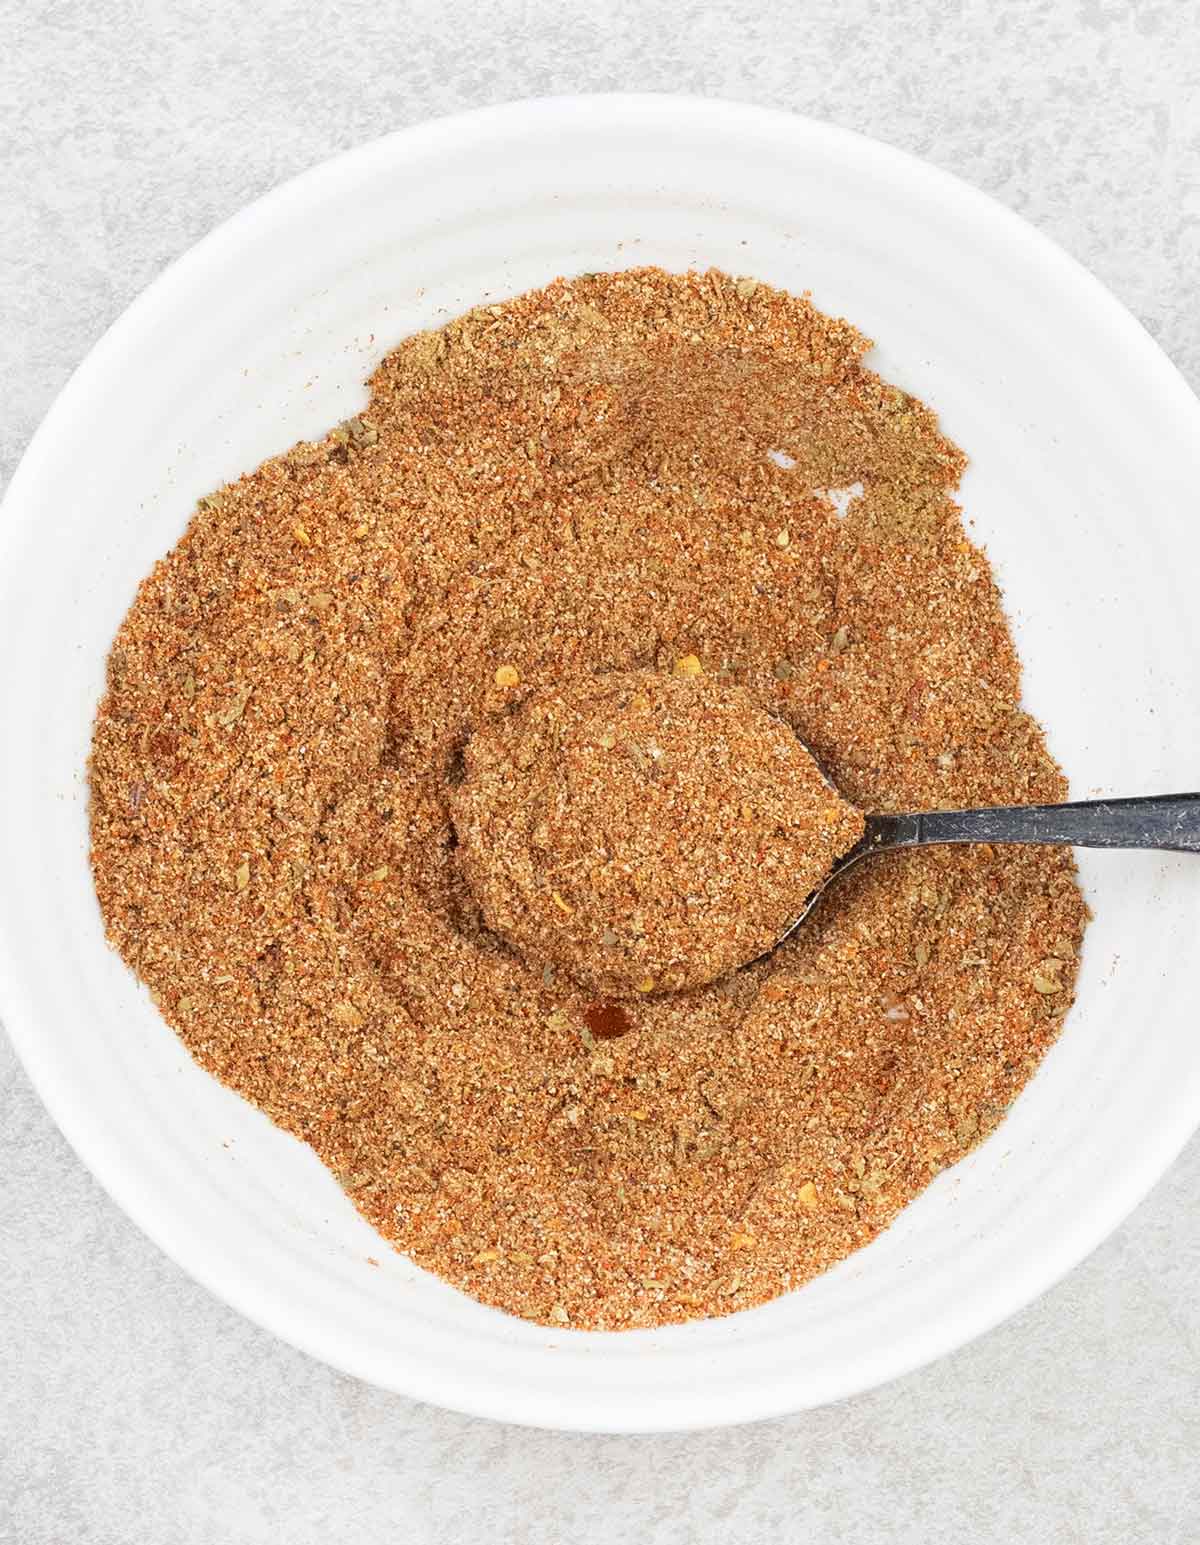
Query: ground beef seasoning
x=646, y=833
x=634, y=472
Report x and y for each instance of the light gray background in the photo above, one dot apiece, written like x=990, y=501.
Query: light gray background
x=134, y=1407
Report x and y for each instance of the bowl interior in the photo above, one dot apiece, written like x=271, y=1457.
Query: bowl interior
x=1085, y=454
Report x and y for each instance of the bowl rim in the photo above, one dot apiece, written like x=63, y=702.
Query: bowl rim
x=1078, y=1237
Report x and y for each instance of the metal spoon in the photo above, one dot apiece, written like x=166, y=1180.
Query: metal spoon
x=1167, y=821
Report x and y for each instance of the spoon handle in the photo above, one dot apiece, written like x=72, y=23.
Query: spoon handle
x=1170, y=821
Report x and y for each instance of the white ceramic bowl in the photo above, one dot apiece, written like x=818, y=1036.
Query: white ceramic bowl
x=1085, y=448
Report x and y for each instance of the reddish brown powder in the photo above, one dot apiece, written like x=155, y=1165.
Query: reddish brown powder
x=645, y=833
x=574, y=483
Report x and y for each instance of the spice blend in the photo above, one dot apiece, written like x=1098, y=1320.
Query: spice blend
x=646, y=833
x=614, y=474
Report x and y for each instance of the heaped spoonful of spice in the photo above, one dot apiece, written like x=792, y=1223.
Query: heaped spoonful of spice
x=648, y=833
x=644, y=832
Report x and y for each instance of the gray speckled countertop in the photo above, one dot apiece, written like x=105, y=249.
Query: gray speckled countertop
x=133, y=1406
